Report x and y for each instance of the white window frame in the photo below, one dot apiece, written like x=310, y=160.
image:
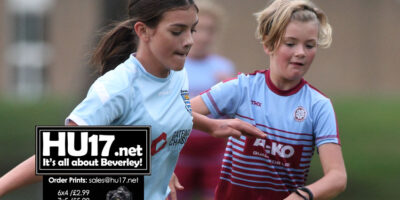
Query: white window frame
x=26, y=56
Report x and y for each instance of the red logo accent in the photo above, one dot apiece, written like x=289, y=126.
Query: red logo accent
x=256, y=103
x=300, y=114
x=154, y=144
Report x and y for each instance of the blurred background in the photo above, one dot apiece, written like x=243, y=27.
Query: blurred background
x=45, y=46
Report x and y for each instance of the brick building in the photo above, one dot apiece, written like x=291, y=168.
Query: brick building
x=45, y=45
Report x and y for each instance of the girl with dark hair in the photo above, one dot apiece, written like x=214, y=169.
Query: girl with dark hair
x=143, y=83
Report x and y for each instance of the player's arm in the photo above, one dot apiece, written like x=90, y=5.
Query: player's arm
x=174, y=185
x=199, y=106
x=335, y=178
x=23, y=174
x=220, y=127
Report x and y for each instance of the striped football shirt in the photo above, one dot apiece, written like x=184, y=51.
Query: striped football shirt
x=295, y=122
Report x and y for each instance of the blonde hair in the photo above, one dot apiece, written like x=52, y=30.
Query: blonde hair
x=211, y=8
x=273, y=20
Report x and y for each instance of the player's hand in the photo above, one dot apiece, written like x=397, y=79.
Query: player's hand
x=294, y=196
x=224, y=128
x=174, y=185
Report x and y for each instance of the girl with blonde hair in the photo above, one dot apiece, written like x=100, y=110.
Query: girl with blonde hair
x=144, y=82
x=295, y=116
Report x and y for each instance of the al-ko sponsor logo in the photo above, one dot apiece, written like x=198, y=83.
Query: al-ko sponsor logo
x=275, y=149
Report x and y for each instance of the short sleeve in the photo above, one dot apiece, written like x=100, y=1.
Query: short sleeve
x=223, y=98
x=325, y=124
x=103, y=105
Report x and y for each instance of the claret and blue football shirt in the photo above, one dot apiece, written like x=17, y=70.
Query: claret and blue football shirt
x=295, y=121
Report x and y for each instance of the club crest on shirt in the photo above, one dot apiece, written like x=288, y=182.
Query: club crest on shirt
x=186, y=100
x=300, y=114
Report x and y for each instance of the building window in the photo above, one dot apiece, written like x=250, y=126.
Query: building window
x=29, y=53
x=29, y=27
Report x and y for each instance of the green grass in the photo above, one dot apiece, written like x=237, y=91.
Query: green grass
x=17, y=138
x=18, y=121
x=369, y=130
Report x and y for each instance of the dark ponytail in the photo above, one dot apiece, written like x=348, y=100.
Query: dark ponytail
x=115, y=47
x=117, y=44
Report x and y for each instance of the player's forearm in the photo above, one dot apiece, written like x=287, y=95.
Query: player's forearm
x=21, y=175
x=330, y=185
x=200, y=121
x=203, y=123
x=199, y=106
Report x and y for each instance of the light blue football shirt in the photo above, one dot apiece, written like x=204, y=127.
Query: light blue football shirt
x=128, y=95
x=204, y=73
